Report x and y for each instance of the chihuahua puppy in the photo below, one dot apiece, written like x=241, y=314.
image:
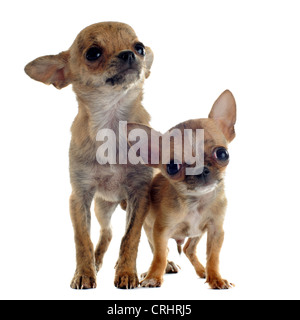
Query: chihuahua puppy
x=189, y=205
x=107, y=66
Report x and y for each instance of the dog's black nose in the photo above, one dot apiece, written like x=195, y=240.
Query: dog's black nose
x=205, y=173
x=127, y=56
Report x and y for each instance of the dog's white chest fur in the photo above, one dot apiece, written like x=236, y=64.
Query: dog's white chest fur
x=195, y=219
x=189, y=226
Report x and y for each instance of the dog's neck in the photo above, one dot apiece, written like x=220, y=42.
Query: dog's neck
x=204, y=196
x=105, y=109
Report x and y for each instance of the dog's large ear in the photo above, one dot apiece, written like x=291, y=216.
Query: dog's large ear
x=52, y=69
x=144, y=142
x=224, y=113
x=149, y=60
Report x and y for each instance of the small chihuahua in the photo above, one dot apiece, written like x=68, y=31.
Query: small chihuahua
x=107, y=66
x=189, y=205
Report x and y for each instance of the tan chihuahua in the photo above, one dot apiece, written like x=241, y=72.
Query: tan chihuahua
x=107, y=66
x=189, y=205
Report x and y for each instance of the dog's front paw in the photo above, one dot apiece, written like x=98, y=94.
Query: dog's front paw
x=218, y=283
x=151, y=282
x=84, y=281
x=125, y=280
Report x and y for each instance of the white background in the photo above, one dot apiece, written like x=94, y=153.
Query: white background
x=201, y=48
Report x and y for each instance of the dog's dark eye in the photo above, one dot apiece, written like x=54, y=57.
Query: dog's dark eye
x=173, y=168
x=221, y=154
x=93, y=54
x=140, y=49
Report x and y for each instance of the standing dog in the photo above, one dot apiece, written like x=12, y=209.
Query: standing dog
x=189, y=205
x=107, y=66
